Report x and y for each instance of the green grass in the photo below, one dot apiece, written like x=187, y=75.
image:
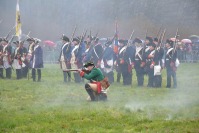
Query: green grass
x=54, y=106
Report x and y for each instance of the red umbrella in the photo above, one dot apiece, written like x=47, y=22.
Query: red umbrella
x=186, y=41
x=49, y=43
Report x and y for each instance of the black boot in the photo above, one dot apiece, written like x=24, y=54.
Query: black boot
x=90, y=92
x=33, y=74
x=39, y=75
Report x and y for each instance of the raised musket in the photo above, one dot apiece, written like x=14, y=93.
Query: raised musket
x=130, y=38
x=144, y=46
x=162, y=37
x=159, y=32
x=175, y=42
x=72, y=36
x=71, y=39
x=9, y=33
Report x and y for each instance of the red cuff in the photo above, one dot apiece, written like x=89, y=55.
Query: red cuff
x=81, y=73
x=143, y=63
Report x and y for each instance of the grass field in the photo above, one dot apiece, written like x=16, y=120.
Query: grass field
x=54, y=106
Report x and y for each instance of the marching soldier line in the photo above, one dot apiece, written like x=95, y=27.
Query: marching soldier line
x=146, y=57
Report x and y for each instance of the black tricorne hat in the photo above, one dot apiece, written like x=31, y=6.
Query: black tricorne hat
x=149, y=38
x=108, y=43
x=4, y=39
x=65, y=38
x=155, y=39
x=137, y=40
x=123, y=41
x=30, y=39
x=16, y=42
x=89, y=64
x=170, y=42
x=152, y=44
x=76, y=39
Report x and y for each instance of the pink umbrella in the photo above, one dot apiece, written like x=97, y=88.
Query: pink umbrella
x=186, y=41
x=174, y=39
x=49, y=43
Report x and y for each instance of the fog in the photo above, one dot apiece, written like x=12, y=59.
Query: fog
x=49, y=19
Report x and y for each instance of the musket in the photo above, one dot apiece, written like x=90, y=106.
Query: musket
x=144, y=42
x=159, y=31
x=175, y=42
x=9, y=32
x=90, y=35
x=130, y=38
x=11, y=39
x=71, y=39
x=84, y=35
x=27, y=36
x=75, y=70
x=96, y=35
x=162, y=37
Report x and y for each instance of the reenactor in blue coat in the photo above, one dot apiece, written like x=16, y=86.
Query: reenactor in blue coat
x=125, y=62
x=37, y=60
x=148, y=41
x=170, y=59
x=107, y=60
x=138, y=62
x=158, y=62
x=65, y=57
x=150, y=64
x=97, y=52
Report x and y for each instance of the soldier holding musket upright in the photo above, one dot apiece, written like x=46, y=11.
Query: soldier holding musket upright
x=77, y=57
x=97, y=52
x=138, y=62
x=24, y=59
x=17, y=62
x=107, y=60
x=7, y=60
x=31, y=45
x=37, y=60
x=65, y=57
x=170, y=59
x=150, y=63
x=125, y=62
x=1, y=59
x=159, y=53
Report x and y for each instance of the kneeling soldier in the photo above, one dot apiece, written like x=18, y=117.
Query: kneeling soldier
x=98, y=83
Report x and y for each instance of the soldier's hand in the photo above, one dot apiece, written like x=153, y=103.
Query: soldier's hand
x=151, y=66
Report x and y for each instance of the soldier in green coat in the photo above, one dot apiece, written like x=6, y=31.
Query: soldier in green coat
x=96, y=88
